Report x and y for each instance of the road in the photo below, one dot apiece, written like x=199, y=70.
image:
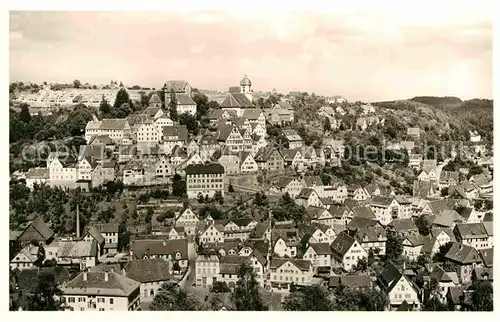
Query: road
x=189, y=278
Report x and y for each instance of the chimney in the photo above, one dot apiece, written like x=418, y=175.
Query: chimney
x=85, y=276
x=106, y=276
x=164, y=242
x=77, y=221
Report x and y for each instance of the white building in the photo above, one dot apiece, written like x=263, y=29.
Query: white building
x=285, y=271
x=205, y=179
x=101, y=291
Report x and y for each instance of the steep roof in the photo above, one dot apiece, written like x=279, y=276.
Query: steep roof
x=144, y=247
x=487, y=256
x=404, y=224
x=350, y=281
x=113, y=124
x=321, y=248
x=179, y=131
x=76, y=249
x=381, y=201
x=313, y=181
x=301, y=264
x=360, y=222
x=96, y=234
x=184, y=99
x=96, y=283
x=463, y=254
x=155, y=99
x=148, y=270
x=35, y=230
x=236, y=100
x=107, y=228
x=305, y=193
x=390, y=275
x=178, y=86
x=342, y=244
x=363, y=211
x=471, y=230
x=178, y=152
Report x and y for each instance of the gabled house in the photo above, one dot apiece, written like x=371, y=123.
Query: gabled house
x=404, y=227
x=399, y=288
x=320, y=255
x=294, y=159
x=412, y=245
x=285, y=243
x=247, y=163
x=308, y=198
x=357, y=192
x=428, y=173
x=385, y=208
x=293, y=138
x=448, y=178
x=284, y=272
x=212, y=234
x=38, y=231
x=188, y=220
x=474, y=235
x=284, y=185
x=372, y=237
x=465, y=258
x=173, y=251
x=347, y=251
x=268, y=158
x=151, y=273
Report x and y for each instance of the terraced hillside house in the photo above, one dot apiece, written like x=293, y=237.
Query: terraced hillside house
x=204, y=179
x=182, y=91
x=101, y=291
x=347, y=251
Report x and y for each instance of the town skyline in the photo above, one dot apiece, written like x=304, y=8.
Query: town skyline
x=370, y=54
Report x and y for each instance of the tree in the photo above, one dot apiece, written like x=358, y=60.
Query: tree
x=77, y=83
x=121, y=98
x=190, y=122
x=24, y=115
x=171, y=297
x=123, y=235
x=218, y=197
x=260, y=199
x=172, y=106
x=394, y=246
x=482, y=295
x=44, y=296
x=178, y=185
x=104, y=106
x=327, y=126
x=361, y=266
x=424, y=227
x=200, y=198
x=246, y=295
x=230, y=188
x=443, y=250
x=201, y=101
x=308, y=298
x=220, y=287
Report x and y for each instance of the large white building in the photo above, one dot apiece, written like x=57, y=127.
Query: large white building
x=205, y=179
x=101, y=291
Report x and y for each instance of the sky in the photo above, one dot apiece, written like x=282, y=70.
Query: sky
x=362, y=55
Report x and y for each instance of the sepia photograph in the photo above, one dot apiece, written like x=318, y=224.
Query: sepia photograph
x=251, y=160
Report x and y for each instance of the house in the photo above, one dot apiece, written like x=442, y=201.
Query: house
x=25, y=259
x=284, y=272
x=470, y=215
x=204, y=179
x=448, y=178
x=101, y=291
x=372, y=237
x=385, y=208
x=238, y=228
x=308, y=198
x=151, y=273
x=465, y=258
x=443, y=235
x=188, y=220
x=185, y=104
x=293, y=138
x=321, y=215
x=285, y=243
x=93, y=234
x=357, y=192
x=268, y=158
x=154, y=101
x=415, y=160
x=412, y=245
x=404, y=227
x=405, y=206
x=429, y=168
x=399, y=288
x=474, y=235
x=147, y=132
x=102, y=173
x=116, y=129
x=364, y=212
x=207, y=269
x=320, y=255
x=435, y=207
x=181, y=90
x=293, y=158
x=247, y=163
x=255, y=117
x=347, y=251
x=228, y=269
x=38, y=231
x=172, y=136
x=446, y=219
x=174, y=251
x=281, y=116
x=37, y=176
x=82, y=253
x=482, y=184
x=212, y=234
x=445, y=280
x=465, y=190
x=474, y=136
x=288, y=185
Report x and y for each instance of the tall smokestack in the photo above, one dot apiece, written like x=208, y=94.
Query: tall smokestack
x=77, y=221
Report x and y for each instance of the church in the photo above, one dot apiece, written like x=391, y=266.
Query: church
x=239, y=98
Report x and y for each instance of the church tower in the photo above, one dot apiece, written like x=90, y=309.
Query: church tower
x=246, y=87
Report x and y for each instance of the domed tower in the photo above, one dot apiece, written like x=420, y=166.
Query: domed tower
x=246, y=87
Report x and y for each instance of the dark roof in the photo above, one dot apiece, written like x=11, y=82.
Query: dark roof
x=184, y=99
x=404, y=307
x=176, y=130
x=116, y=285
x=342, y=244
x=313, y=181
x=370, y=234
x=144, y=247
x=381, y=201
x=403, y=224
x=364, y=212
x=471, y=230
x=239, y=100
x=204, y=168
x=301, y=264
x=113, y=124
x=360, y=222
x=390, y=275
x=108, y=228
x=94, y=232
x=229, y=264
x=321, y=248
x=148, y=270
x=36, y=230
x=463, y=254
x=487, y=256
